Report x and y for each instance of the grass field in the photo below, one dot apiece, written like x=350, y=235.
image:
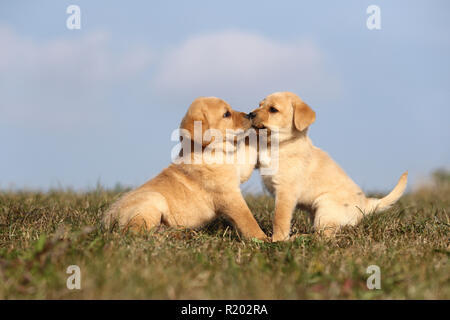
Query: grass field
x=41, y=234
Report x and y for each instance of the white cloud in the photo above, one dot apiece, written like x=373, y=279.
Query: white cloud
x=73, y=82
x=63, y=82
x=240, y=65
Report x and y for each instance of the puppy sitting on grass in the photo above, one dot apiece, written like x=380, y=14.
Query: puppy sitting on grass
x=307, y=175
x=192, y=194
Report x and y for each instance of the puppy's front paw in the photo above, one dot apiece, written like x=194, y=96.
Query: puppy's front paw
x=258, y=237
x=279, y=237
x=262, y=238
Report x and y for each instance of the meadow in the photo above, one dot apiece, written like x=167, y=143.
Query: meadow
x=42, y=233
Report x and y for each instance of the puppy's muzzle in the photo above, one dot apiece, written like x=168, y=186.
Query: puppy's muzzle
x=250, y=115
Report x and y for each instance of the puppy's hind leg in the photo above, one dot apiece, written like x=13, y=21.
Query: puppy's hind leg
x=327, y=228
x=141, y=211
x=330, y=218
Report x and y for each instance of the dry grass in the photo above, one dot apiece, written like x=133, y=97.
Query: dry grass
x=41, y=234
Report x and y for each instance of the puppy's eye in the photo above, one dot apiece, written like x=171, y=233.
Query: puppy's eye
x=273, y=110
x=227, y=114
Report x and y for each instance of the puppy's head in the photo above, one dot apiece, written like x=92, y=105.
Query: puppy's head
x=213, y=113
x=283, y=111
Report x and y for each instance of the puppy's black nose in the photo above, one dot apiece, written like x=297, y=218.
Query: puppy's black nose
x=251, y=115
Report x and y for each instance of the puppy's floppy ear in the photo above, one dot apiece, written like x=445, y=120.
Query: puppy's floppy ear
x=191, y=123
x=304, y=116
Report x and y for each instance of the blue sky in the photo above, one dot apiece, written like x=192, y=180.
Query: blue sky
x=100, y=103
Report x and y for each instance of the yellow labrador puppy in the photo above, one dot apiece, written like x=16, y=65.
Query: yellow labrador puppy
x=307, y=175
x=192, y=194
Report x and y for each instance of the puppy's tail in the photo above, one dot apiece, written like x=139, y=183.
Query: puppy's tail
x=377, y=205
